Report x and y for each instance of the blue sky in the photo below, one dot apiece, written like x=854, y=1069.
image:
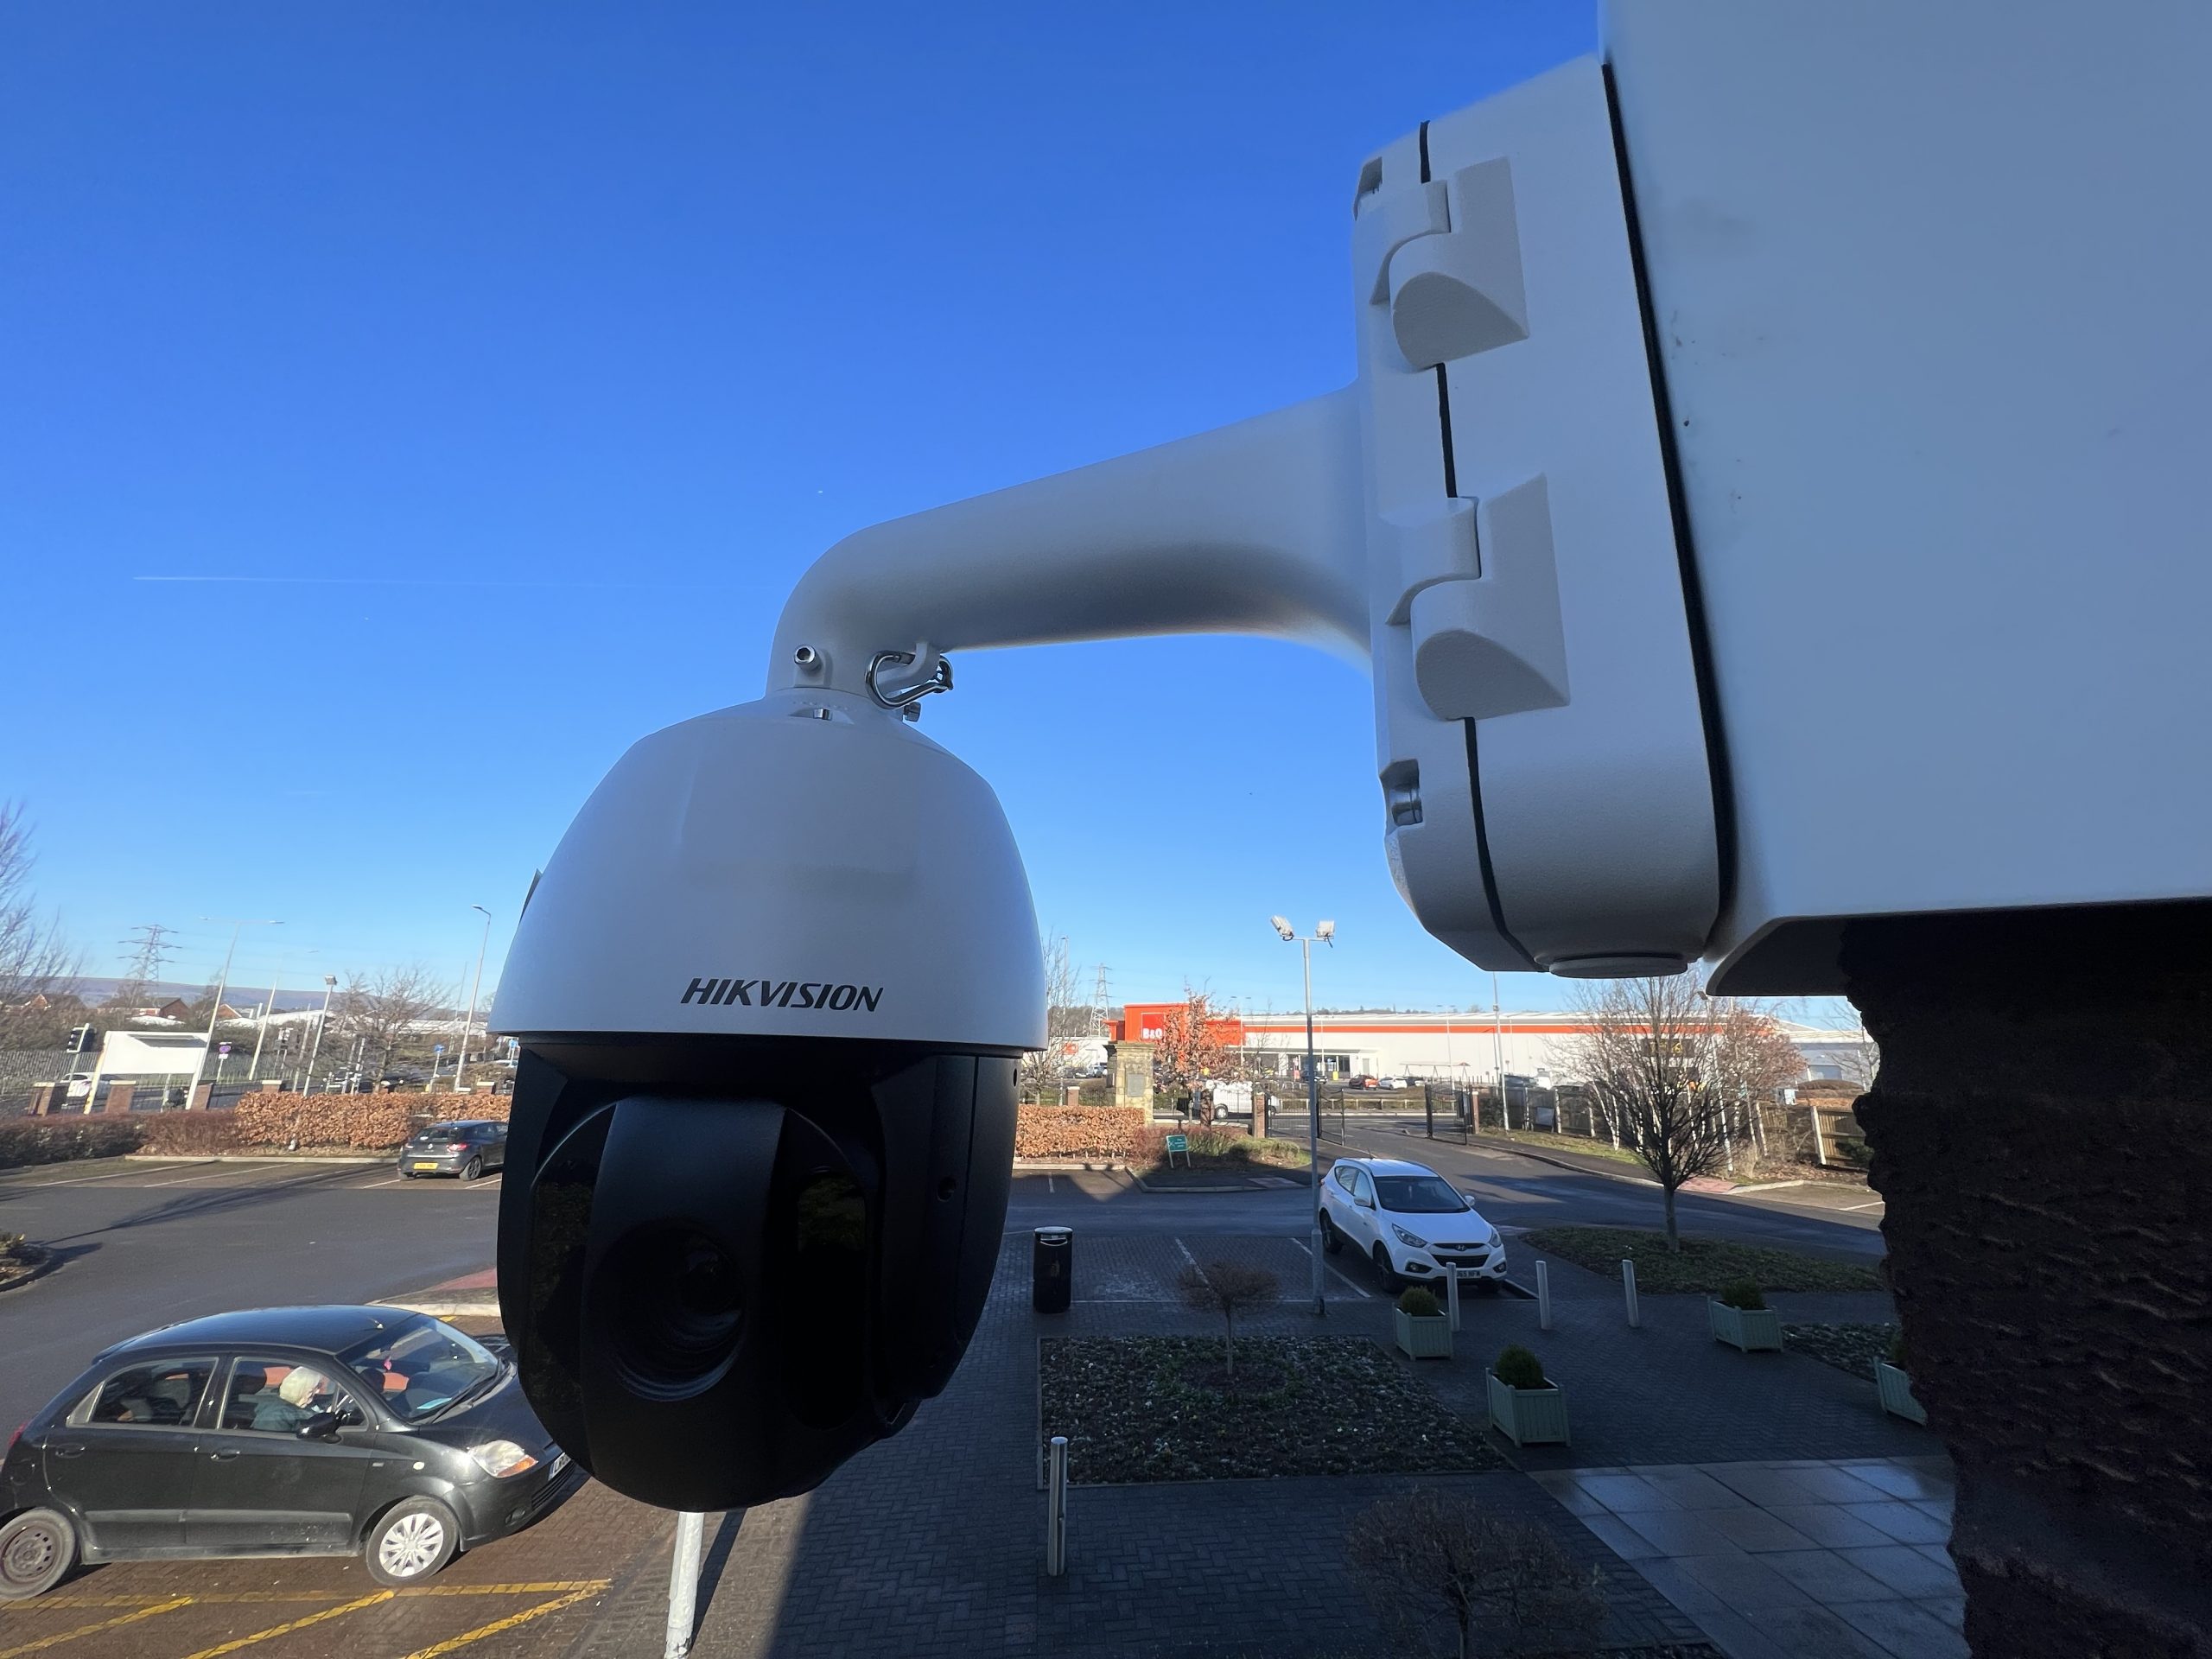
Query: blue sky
x=410, y=406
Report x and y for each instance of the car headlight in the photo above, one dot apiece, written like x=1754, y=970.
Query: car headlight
x=500, y=1459
x=1405, y=1237
x=1495, y=1241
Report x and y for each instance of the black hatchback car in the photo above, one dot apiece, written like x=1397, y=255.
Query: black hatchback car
x=285, y=1431
x=466, y=1146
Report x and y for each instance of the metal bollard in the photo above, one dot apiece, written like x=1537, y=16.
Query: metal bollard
x=1451, y=1294
x=1056, y=1510
x=1628, y=1289
x=684, y=1585
x=1543, y=1297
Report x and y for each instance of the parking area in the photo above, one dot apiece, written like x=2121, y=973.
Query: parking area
x=142, y=1242
x=537, y=1592
x=132, y=1173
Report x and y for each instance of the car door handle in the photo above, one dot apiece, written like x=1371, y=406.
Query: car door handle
x=67, y=1451
x=224, y=1456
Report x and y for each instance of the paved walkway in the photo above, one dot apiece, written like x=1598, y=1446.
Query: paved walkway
x=932, y=1544
x=1667, y=1392
x=1789, y=1560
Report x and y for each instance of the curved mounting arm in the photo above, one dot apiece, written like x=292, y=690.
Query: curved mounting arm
x=1255, y=528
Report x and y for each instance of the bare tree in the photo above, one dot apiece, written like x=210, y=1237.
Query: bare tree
x=1669, y=1064
x=1229, y=1288
x=1429, y=1557
x=378, y=1010
x=1068, y=1018
x=34, y=958
x=1191, y=1051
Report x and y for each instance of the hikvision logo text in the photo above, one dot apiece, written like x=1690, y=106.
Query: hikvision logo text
x=783, y=993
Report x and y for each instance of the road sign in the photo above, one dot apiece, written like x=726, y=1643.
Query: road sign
x=1177, y=1143
x=223, y=1050
x=437, y=1048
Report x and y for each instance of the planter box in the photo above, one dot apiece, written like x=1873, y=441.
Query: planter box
x=1896, y=1390
x=1529, y=1416
x=1424, y=1339
x=1751, y=1329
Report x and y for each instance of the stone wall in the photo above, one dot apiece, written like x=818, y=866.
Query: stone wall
x=2038, y=1133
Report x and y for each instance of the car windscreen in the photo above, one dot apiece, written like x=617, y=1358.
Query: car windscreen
x=439, y=1132
x=1418, y=1195
x=420, y=1366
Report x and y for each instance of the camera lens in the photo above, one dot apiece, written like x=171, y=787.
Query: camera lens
x=678, y=1324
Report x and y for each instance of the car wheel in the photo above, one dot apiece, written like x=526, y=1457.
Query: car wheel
x=37, y=1550
x=411, y=1540
x=1383, y=1266
x=1332, y=1240
x=472, y=1169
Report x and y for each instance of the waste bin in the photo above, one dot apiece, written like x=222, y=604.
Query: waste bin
x=1052, y=1265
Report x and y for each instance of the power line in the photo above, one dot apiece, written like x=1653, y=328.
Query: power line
x=150, y=949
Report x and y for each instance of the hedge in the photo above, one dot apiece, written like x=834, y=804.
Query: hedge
x=1078, y=1131
x=55, y=1140
x=369, y=1123
x=188, y=1135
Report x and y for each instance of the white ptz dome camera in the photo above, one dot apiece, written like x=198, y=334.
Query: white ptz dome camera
x=1724, y=577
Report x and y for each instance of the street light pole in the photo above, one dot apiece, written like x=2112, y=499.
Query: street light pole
x=215, y=1013
x=1497, y=1054
x=1325, y=932
x=307, y=1077
x=460, y=1067
x=261, y=1029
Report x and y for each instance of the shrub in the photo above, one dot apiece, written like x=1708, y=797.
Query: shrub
x=1432, y=1560
x=189, y=1134
x=1077, y=1131
x=1855, y=1152
x=369, y=1123
x=57, y=1139
x=1227, y=1289
x=1744, y=1294
x=1419, y=1302
x=1214, y=1144
x=1519, y=1369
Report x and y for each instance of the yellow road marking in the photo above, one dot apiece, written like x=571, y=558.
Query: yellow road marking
x=59, y=1637
x=498, y=1624
x=548, y=1586
x=287, y=1628
x=589, y=1586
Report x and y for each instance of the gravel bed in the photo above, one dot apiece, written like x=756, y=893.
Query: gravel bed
x=1705, y=1265
x=1138, y=1408
x=1853, y=1348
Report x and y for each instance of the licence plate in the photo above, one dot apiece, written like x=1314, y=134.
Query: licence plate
x=426, y=1163
x=558, y=1466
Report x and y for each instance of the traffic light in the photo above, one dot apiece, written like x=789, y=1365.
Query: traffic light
x=83, y=1039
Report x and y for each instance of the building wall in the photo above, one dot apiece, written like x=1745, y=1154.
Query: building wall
x=1456, y=1047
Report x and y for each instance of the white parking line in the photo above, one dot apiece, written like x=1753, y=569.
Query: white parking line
x=217, y=1174
x=1333, y=1268
x=1877, y=1204
x=1188, y=1257
x=107, y=1175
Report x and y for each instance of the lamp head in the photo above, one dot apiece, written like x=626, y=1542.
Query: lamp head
x=1327, y=932
x=1283, y=926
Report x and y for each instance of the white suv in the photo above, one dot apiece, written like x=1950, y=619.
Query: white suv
x=1414, y=1225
